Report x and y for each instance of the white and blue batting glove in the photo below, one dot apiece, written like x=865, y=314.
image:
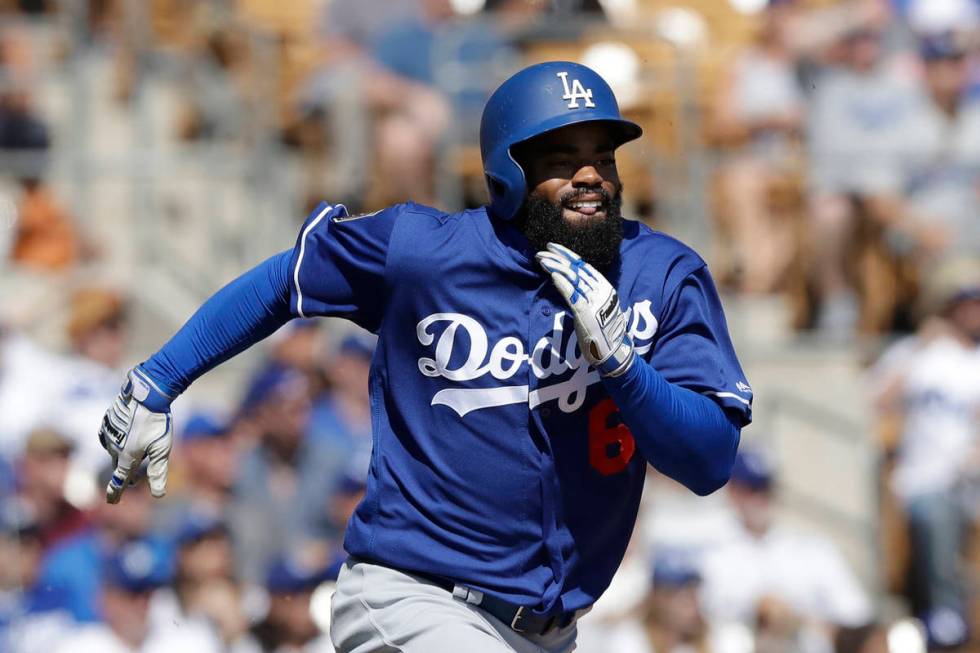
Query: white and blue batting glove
x=138, y=425
x=599, y=320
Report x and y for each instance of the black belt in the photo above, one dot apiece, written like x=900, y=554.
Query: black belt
x=520, y=618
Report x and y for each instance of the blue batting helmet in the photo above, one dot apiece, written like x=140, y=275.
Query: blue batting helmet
x=539, y=99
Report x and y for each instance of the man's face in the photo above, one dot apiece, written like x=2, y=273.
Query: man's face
x=679, y=609
x=966, y=317
x=131, y=516
x=285, y=414
x=126, y=613
x=573, y=191
x=863, y=50
x=946, y=77
x=212, y=461
x=753, y=505
x=206, y=559
x=349, y=372
x=291, y=612
x=20, y=559
x=106, y=344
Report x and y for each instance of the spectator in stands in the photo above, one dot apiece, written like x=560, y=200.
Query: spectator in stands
x=341, y=504
x=376, y=116
x=41, y=389
x=672, y=518
x=406, y=136
x=932, y=203
x=131, y=575
x=21, y=129
x=71, y=573
x=208, y=464
x=932, y=380
x=298, y=345
x=922, y=197
x=43, y=476
x=341, y=417
x=26, y=387
x=855, y=125
x=205, y=594
x=466, y=60
x=349, y=26
x=669, y=617
x=760, y=110
x=671, y=621
x=45, y=236
x=791, y=588
x=272, y=509
x=98, y=333
x=289, y=623
x=934, y=16
x=29, y=620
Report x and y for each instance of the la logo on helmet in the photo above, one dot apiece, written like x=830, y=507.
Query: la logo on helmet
x=576, y=92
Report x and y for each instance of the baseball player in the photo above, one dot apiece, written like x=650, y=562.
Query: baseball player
x=533, y=356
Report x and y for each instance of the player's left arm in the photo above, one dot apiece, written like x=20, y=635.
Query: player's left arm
x=336, y=268
x=684, y=433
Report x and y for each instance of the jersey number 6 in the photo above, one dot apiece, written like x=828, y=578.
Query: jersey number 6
x=611, y=445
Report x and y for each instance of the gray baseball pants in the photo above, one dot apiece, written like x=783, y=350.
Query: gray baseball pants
x=382, y=610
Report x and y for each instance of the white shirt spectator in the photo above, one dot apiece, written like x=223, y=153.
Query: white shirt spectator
x=84, y=389
x=671, y=517
x=939, y=170
x=674, y=517
x=934, y=16
x=36, y=633
x=764, y=87
x=941, y=399
x=804, y=571
x=68, y=393
x=99, y=638
x=26, y=387
x=855, y=129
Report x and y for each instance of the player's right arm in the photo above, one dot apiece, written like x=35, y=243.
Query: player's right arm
x=337, y=268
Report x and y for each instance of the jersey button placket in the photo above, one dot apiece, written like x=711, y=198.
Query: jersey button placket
x=541, y=326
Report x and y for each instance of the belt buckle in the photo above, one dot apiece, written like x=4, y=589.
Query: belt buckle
x=515, y=623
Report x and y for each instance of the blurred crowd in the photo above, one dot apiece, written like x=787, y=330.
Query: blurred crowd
x=844, y=141
x=852, y=141
x=252, y=523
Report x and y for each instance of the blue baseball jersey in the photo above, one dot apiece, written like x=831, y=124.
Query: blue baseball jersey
x=499, y=458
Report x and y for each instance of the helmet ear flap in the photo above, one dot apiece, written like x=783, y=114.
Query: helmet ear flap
x=506, y=185
x=496, y=187
x=500, y=196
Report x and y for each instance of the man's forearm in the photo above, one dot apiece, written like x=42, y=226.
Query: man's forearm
x=685, y=435
x=247, y=310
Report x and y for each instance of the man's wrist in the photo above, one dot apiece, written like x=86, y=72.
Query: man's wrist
x=617, y=363
x=149, y=392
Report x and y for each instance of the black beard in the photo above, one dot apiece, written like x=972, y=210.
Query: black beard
x=595, y=240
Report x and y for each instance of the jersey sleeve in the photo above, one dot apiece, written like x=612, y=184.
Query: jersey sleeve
x=694, y=349
x=338, y=265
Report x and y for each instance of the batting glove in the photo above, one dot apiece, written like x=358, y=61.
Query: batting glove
x=138, y=425
x=599, y=320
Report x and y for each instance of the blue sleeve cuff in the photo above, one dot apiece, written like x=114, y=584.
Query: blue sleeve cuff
x=152, y=395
